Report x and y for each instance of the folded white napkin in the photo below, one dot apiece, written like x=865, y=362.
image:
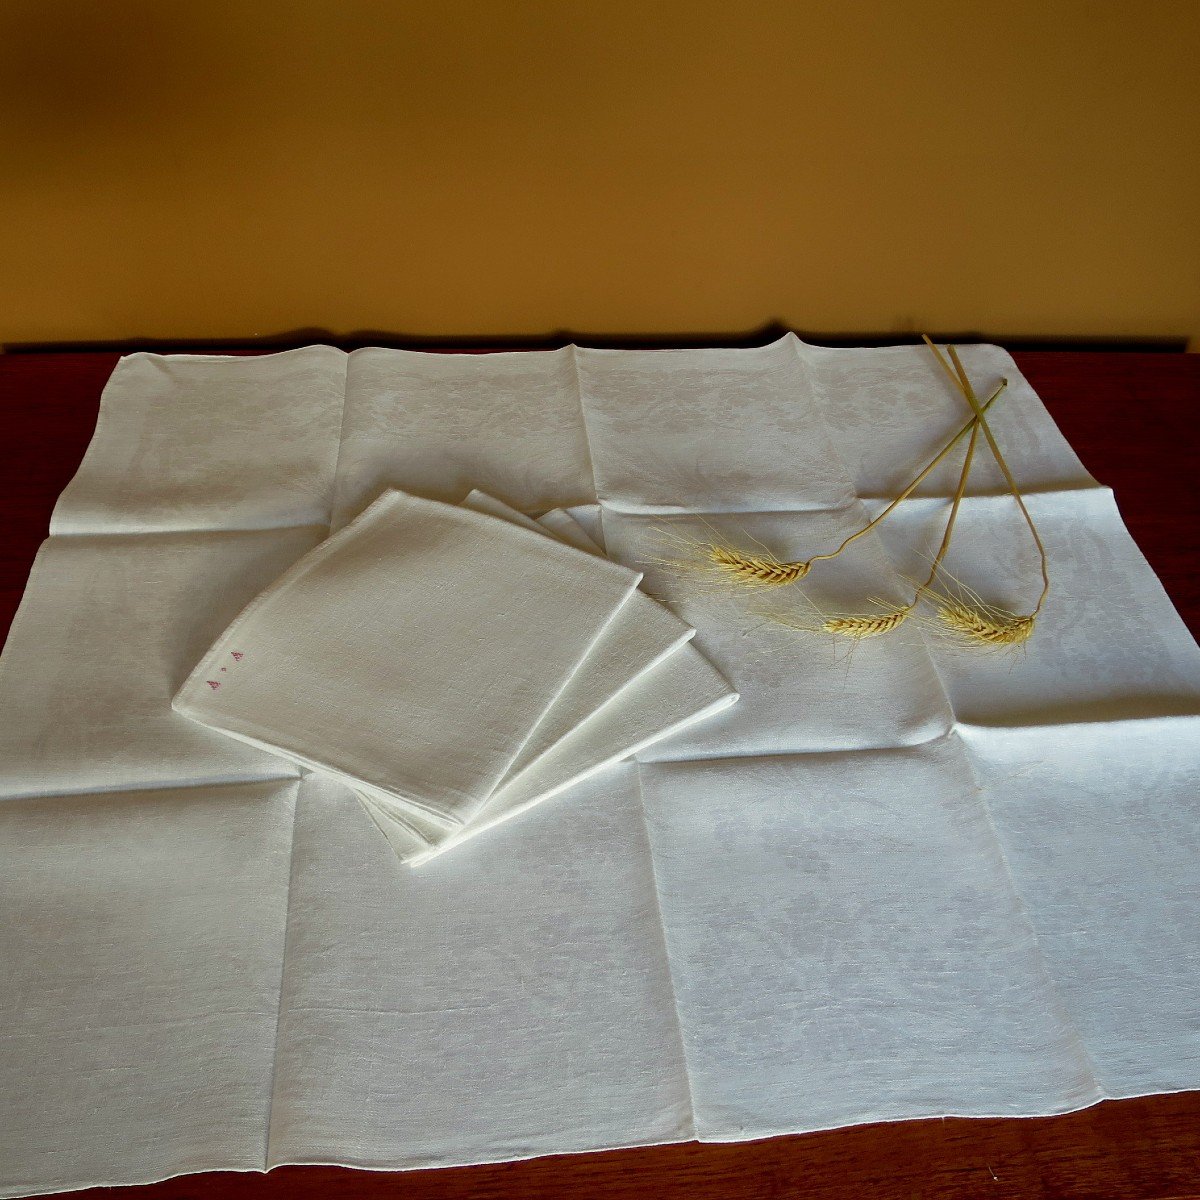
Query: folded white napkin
x=412, y=654
x=671, y=692
x=639, y=637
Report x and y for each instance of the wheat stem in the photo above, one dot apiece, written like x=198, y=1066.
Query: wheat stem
x=860, y=627
x=772, y=572
x=921, y=477
x=958, y=377
x=959, y=492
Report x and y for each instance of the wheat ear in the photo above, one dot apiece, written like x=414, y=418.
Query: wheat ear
x=756, y=568
x=866, y=626
x=978, y=626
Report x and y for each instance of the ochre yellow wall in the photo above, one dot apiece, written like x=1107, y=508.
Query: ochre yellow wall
x=201, y=170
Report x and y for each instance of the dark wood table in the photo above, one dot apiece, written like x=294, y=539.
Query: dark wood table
x=1133, y=420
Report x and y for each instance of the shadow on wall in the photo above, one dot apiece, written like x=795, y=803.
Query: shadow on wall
x=72, y=75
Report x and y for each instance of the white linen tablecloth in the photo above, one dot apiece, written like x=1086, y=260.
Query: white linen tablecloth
x=902, y=882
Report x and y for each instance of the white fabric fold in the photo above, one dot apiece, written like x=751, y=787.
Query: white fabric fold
x=200, y=442
x=141, y=956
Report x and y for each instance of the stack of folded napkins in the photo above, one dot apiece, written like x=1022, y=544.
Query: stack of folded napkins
x=454, y=665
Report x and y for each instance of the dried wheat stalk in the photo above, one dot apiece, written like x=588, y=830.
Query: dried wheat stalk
x=767, y=571
x=975, y=623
